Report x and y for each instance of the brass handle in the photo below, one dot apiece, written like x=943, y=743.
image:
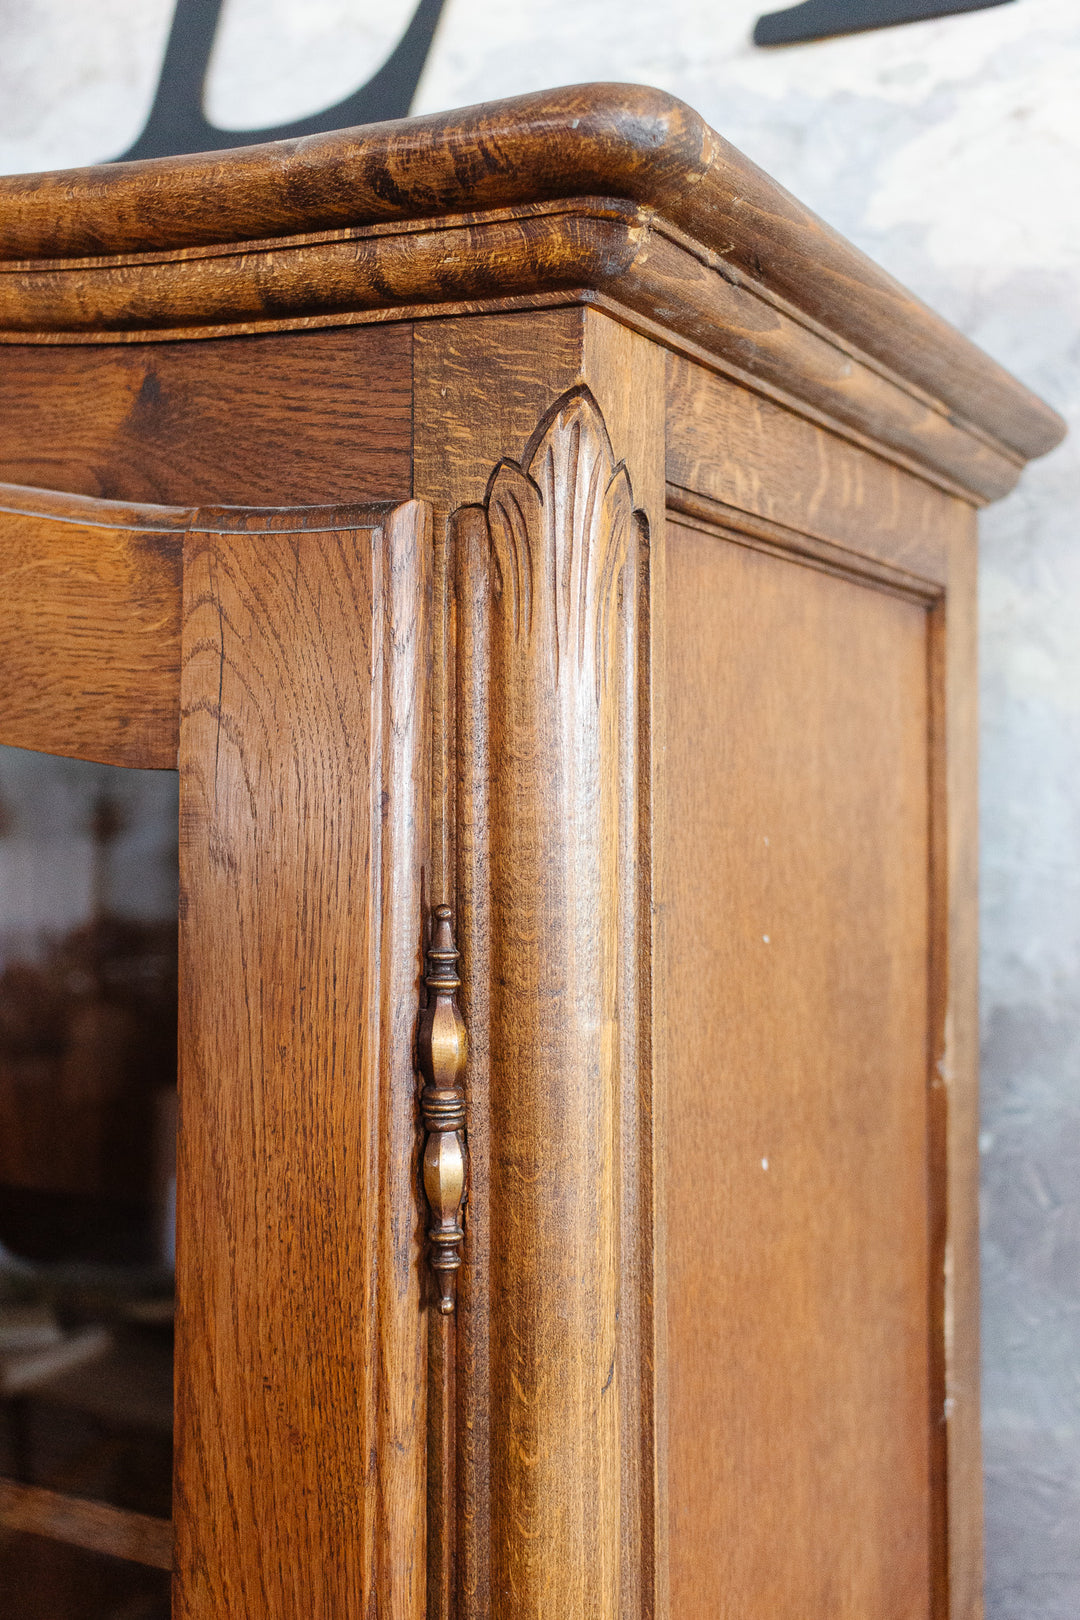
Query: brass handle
x=442, y=1052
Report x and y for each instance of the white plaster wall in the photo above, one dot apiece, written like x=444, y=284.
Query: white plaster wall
x=950, y=151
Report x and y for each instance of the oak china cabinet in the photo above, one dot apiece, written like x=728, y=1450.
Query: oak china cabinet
x=546, y=552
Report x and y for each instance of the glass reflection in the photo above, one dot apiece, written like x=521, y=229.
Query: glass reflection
x=88, y=922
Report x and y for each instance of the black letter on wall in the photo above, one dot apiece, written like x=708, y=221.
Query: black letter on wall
x=819, y=19
x=176, y=122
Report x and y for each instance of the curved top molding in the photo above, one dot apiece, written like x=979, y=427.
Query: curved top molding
x=631, y=161
x=588, y=140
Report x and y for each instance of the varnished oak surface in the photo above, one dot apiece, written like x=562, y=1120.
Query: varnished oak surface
x=300, y=1356
x=547, y=598
x=737, y=449
x=90, y=627
x=955, y=1080
x=546, y=835
x=288, y=419
x=791, y=954
x=677, y=1384
x=591, y=140
x=601, y=192
x=90, y=635
x=603, y=254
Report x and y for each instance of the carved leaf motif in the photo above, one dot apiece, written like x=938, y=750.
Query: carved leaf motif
x=560, y=527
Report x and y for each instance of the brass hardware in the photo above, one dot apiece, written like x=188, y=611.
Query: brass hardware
x=442, y=1048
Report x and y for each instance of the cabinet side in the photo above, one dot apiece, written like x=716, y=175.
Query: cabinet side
x=815, y=961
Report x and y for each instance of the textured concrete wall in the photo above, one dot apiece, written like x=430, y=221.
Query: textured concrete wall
x=950, y=150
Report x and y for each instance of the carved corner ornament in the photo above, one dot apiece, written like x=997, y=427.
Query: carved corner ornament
x=442, y=1051
x=560, y=525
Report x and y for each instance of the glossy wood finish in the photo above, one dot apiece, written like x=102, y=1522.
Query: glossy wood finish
x=548, y=597
x=701, y=571
x=300, y=1417
x=742, y=451
x=671, y=288
x=791, y=954
x=610, y=194
x=533, y=434
x=90, y=630
x=292, y=419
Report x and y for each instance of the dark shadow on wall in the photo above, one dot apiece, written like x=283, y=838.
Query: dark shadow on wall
x=176, y=122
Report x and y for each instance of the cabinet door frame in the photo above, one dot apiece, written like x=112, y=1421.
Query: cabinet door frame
x=281, y=658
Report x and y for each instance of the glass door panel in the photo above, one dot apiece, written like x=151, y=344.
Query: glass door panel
x=88, y=998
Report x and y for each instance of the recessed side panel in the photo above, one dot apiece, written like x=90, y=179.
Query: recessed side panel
x=791, y=1049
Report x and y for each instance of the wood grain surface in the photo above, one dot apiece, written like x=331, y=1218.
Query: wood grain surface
x=621, y=258
x=745, y=529
x=285, y=420
x=558, y=1229
x=90, y=627
x=96, y=1526
x=548, y=597
x=716, y=1344
x=300, y=1351
x=791, y=954
x=616, y=141
x=756, y=457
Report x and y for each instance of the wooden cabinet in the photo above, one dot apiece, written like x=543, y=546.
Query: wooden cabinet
x=533, y=511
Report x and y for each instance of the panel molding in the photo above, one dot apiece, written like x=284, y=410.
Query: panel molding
x=730, y=523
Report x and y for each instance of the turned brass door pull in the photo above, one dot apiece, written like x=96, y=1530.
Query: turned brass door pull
x=442, y=1051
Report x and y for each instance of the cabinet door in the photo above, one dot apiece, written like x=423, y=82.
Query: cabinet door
x=304, y=760
x=281, y=659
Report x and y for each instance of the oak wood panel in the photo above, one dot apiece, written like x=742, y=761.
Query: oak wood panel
x=543, y=567
x=478, y=389
x=303, y=759
x=472, y=380
x=699, y=305
x=626, y=377
x=95, y=1526
x=728, y=523
x=747, y=453
x=90, y=627
x=791, y=959
x=277, y=420
x=569, y=1248
x=481, y=386
x=619, y=141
